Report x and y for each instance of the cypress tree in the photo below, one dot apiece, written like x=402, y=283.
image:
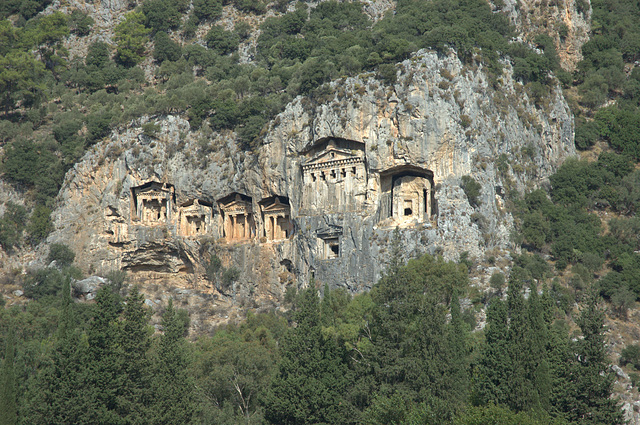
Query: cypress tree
x=60, y=397
x=8, y=408
x=172, y=384
x=538, y=340
x=588, y=400
x=134, y=333
x=313, y=376
x=491, y=384
x=520, y=356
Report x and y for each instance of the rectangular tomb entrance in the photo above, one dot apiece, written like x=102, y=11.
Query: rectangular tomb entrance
x=330, y=242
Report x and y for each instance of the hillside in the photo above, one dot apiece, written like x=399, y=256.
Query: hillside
x=229, y=155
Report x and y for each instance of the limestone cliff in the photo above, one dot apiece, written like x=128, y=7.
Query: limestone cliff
x=567, y=22
x=320, y=199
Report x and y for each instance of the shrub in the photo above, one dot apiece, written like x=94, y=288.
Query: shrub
x=61, y=254
x=80, y=23
x=213, y=267
x=229, y=276
x=165, y=48
x=161, y=15
x=40, y=224
x=207, y=9
x=497, y=281
x=631, y=355
x=471, y=189
x=221, y=41
x=12, y=225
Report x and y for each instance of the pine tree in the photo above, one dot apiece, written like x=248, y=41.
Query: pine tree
x=8, y=409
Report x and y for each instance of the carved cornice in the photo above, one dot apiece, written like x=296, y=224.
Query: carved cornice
x=332, y=164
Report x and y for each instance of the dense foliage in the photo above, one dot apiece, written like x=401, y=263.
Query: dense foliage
x=402, y=354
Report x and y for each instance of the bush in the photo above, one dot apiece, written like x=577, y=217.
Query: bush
x=161, y=15
x=12, y=225
x=165, y=48
x=205, y=10
x=631, y=355
x=221, y=41
x=497, y=281
x=80, y=23
x=229, y=276
x=40, y=224
x=213, y=267
x=61, y=254
x=472, y=189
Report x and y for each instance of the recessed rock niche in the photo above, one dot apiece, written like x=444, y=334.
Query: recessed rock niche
x=276, y=218
x=335, y=176
x=237, y=217
x=407, y=194
x=152, y=203
x=195, y=218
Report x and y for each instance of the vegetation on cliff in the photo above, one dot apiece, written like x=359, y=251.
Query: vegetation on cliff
x=402, y=353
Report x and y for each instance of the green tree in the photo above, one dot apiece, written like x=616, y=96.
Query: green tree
x=313, y=375
x=20, y=80
x=587, y=399
x=131, y=37
x=134, y=333
x=165, y=48
x=8, y=400
x=472, y=189
x=173, y=396
x=490, y=385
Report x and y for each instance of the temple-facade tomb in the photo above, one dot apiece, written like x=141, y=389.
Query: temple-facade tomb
x=276, y=218
x=238, y=223
x=152, y=203
x=334, y=176
x=195, y=218
x=407, y=194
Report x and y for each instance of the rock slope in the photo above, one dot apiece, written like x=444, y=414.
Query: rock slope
x=441, y=120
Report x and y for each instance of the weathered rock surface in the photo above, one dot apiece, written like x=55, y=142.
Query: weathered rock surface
x=567, y=22
x=440, y=121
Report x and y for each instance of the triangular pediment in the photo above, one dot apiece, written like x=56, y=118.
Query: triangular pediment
x=235, y=204
x=329, y=155
x=276, y=206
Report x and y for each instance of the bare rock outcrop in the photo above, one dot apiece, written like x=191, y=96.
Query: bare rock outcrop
x=567, y=22
x=321, y=198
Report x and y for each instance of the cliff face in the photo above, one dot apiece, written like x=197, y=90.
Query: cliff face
x=567, y=22
x=321, y=198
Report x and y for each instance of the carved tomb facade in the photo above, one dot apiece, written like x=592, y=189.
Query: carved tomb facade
x=237, y=217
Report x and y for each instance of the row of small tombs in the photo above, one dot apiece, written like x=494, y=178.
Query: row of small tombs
x=154, y=203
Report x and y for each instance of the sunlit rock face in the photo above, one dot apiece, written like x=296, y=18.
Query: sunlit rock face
x=321, y=198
